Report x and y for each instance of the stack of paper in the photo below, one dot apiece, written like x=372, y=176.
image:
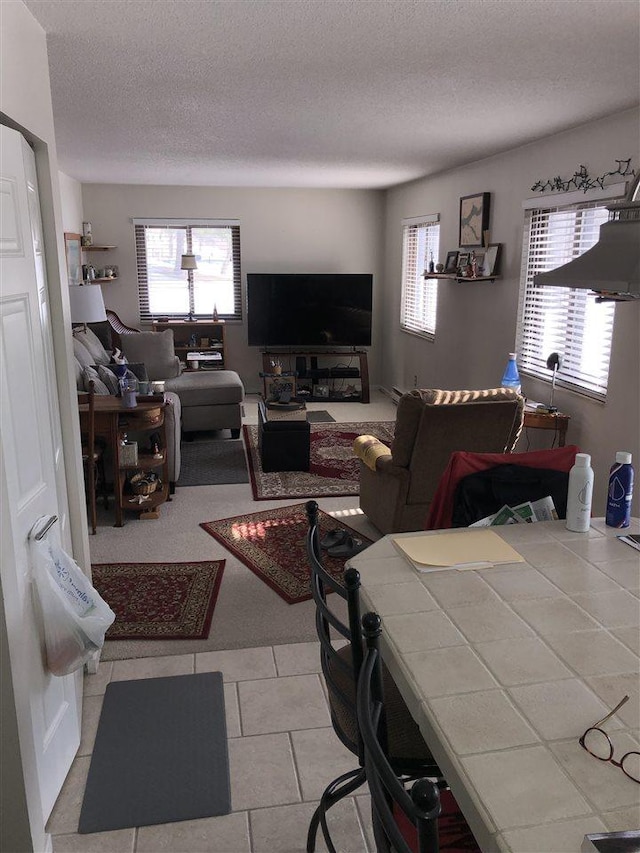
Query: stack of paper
x=524, y=513
x=464, y=549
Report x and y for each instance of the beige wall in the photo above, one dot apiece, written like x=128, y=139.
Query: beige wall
x=280, y=231
x=477, y=322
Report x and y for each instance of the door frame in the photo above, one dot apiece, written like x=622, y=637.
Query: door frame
x=27, y=818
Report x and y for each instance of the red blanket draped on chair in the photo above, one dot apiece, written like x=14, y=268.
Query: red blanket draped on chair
x=462, y=463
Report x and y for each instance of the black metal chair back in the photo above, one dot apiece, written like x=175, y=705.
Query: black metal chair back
x=420, y=805
x=340, y=666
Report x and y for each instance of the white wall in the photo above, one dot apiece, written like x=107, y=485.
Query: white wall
x=281, y=230
x=25, y=102
x=477, y=322
x=71, y=203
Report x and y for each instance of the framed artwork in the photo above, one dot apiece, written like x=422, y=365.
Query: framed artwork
x=492, y=259
x=276, y=386
x=474, y=219
x=451, y=264
x=72, y=243
x=480, y=262
x=463, y=260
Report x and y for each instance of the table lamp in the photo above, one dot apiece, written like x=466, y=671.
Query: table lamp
x=87, y=304
x=553, y=363
x=189, y=263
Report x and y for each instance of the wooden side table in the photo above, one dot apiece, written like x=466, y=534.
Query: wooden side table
x=533, y=419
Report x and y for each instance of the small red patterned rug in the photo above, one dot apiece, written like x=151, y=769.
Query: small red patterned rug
x=333, y=472
x=273, y=545
x=159, y=601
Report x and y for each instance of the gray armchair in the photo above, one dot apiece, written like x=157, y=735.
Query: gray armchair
x=397, y=484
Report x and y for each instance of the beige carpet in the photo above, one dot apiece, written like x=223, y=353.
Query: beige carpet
x=248, y=613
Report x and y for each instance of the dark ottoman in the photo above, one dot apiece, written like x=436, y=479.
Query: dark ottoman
x=284, y=445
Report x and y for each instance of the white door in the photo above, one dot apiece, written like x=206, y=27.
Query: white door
x=31, y=468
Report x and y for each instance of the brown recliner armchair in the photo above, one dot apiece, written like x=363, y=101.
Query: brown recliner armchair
x=397, y=484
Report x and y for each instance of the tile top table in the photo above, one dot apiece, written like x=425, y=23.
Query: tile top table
x=504, y=668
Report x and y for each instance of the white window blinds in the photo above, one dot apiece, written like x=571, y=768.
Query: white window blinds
x=562, y=319
x=420, y=244
x=166, y=290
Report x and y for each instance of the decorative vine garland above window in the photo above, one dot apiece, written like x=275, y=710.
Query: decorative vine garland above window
x=581, y=179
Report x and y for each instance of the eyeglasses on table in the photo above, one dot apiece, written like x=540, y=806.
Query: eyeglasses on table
x=598, y=743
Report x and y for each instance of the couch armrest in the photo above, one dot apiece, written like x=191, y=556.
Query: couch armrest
x=370, y=450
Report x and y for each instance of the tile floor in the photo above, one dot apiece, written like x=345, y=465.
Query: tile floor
x=282, y=753
x=282, y=748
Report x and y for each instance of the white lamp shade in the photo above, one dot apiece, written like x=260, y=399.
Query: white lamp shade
x=188, y=262
x=87, y=304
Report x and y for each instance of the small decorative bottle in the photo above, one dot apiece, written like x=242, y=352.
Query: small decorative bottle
x=511, y=377
x=579, y=494
x=620, y=491
x=215, y=314
x=432, y=265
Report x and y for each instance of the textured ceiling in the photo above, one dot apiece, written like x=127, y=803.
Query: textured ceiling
x=325, y=93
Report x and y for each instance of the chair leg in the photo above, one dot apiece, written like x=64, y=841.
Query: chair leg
x=333, y=793
x=102, y=480
x=90, y=490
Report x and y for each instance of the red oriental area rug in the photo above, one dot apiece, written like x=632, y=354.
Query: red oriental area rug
x=333, y=472
x=159, y=601
x=273, y=545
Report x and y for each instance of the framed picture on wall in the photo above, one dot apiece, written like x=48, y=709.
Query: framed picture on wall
x=74, y=257
x=474, y=219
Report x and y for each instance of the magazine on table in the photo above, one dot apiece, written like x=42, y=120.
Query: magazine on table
x=525, y=513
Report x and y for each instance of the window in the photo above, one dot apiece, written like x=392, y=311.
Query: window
x=166, y=290
x=565, y=320
x=420, y=244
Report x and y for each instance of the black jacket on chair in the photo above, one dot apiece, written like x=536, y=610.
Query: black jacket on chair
x=485, y=492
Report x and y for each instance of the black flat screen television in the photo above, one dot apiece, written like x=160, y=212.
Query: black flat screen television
x=307, y=310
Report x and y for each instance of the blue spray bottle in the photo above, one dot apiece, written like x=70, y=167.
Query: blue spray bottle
x=620, y=491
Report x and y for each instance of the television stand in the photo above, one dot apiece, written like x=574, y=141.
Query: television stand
x=324, y=377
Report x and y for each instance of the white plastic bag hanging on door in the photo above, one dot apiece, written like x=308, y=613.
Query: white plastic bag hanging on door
x=74, y=615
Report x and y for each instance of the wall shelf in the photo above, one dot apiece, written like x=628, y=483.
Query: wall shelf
x=461, y=278
x=93, y=248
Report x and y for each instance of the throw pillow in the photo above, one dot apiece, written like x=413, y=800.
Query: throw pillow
x=109, y=378
x=90, y=373
x=89, y=340
x=82, y=353
x=78, y=370
x=139, y=371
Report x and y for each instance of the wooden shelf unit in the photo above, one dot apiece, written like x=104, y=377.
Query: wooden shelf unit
x=184, y=329
x=329, y=380
x=101, y=248
x=134, y=421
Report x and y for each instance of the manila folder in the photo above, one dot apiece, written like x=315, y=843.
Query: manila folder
x=458, y=549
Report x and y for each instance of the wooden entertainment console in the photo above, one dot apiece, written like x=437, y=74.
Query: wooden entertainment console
x=324, y=377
